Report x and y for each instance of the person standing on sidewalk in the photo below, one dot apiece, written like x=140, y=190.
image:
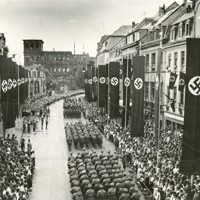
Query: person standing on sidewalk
x=42, y=122
x=22, y=143
x=47, y=123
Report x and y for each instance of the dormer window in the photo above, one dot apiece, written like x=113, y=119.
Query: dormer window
x=187, y=28
x=183, y=28
x=180, y=30
x=137, y=36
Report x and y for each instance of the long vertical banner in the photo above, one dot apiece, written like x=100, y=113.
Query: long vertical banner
x=94, y=83
x=102, y=87
x=190, y=160
x=89, y=82
x=86, y=83
x=137, y=117
x=10, y=81
x=126, y=90
x=114, y=68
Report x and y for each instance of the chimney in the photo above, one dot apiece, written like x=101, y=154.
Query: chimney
x=161, y=11
x=185, y=2
x=133, y=24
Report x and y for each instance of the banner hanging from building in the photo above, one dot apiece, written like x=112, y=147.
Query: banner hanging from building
x=137, y=117
x=172, y=80
x=102, y=86
x=14, y=90
x=94, y=83
x=126, y=77
x=181, y=81
x=89, y=82
x=190, y=160
x=113, y=71
x=86, y=83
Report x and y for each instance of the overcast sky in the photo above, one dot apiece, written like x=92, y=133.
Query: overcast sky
x=60, y=23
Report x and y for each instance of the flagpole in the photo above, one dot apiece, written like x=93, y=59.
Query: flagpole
x=157, y=117
x=18, y=90
x=98, y=86
x=127, y=66
x=108, y=91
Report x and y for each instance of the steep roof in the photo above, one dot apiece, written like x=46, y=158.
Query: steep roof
x=184, y=17
x=122, y=30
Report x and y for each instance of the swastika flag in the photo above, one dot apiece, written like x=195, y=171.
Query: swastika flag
x=137, y=116
x=102, y=87
x=114, y=89
x=172, y=80
x=190, y=160
x=181, y=81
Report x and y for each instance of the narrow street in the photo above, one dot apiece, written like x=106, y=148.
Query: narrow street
x=50, y=180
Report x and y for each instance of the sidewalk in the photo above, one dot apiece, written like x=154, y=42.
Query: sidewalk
x=17, y=130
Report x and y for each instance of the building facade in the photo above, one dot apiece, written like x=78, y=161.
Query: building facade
x=174, y=51
x=162, y=40
x=62, y=66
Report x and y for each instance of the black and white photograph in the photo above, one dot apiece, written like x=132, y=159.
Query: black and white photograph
x=99, y=100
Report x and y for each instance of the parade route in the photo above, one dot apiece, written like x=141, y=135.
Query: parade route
x=51, y=180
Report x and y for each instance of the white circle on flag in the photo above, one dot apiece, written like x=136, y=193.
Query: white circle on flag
x=138, y=83
x=90, y=81
x=19, y=81
x=4, y=86
x=127, y=82
x=94, y=79
x=182, y=82
x=14, y=83
x=194, y=85
x=114, y=81
x=9, y=84
x=102, y=80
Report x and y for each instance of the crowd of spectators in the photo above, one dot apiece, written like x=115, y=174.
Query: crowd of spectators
x=156, y=165
x=17, y=165
x=36, y=120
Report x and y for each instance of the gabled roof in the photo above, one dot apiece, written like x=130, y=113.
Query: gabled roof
x=164, y=17
x=122, y=30
x=184, y=17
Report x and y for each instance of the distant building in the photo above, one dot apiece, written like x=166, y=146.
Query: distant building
x=62, y=65
x=3, y=48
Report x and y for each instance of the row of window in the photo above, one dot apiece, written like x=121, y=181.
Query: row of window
x=182, y=29
x=59, y=69
x=149, y=91
x=150, y=61
x=176, y=62
x=172, y=94
x=132, y=37
x=33, y=45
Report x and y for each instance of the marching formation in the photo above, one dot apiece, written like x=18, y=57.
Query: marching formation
x=99, y=176
x=83, y=135
x=72, y=108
